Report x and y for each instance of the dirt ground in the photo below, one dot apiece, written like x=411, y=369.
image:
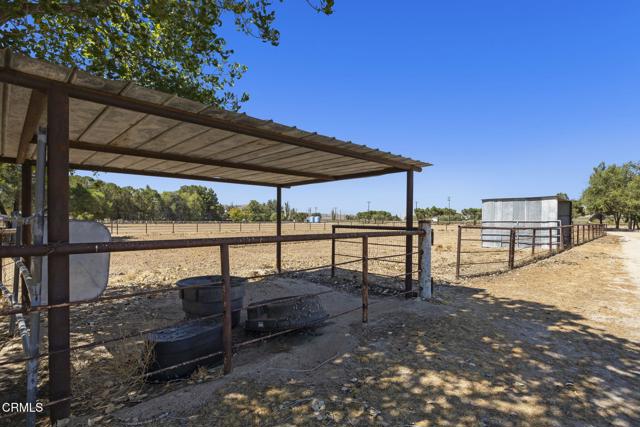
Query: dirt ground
x=552, y=343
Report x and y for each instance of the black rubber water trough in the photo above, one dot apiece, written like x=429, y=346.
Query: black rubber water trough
x=178, y=344
x=280, y=314
x=206, y=298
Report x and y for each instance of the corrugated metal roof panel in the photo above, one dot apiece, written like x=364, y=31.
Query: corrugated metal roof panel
x=179, y=127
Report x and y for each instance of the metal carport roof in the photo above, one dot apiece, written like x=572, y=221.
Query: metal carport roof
x=119, y=126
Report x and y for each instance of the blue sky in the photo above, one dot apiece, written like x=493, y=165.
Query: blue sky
x=505, y=98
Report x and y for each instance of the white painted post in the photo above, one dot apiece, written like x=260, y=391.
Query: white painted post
x=425, y=280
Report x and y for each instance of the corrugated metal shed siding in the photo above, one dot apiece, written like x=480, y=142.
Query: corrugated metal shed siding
x=526, y=212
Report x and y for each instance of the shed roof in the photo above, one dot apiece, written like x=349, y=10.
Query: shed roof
x=530, y=198
x=119, y=126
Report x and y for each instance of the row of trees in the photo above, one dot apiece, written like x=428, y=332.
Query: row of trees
x=373, y=216
x=256, y=211
x=91, y=198
x=449, y=214
x=615, y=191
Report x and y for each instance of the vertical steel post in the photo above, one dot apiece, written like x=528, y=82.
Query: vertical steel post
x=550, y=240
x=561, y=237
x=512, y=248
x=58, y=232
x=577, y=235
x=365, y=279
x=424, y=260
x=26, y=197
x=533, y=241
x=333, y=252
x=279, y=229
x=226, y=299
x=408, y=267
x=458, y=251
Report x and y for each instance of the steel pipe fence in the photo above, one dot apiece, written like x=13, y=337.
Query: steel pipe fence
x=386, y=254
x=142, y=228
x=487, y=249
x=366, y=258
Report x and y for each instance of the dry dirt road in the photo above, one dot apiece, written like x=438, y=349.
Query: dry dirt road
x=556, y=343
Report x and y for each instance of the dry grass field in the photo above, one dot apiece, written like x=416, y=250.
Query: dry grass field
x=551, y=343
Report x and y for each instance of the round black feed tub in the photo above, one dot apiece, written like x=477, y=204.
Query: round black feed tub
x=280, y=314
x=175, y=345
x=202, y=296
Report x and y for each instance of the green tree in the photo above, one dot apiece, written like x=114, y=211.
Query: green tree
x=472, y=214
x=608, y=191
x=376, y=216
x=173, y=46
x=85, y=200
x=9, y=187
x=634, y=203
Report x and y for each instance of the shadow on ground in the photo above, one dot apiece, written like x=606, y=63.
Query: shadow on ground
x=486, y=362
x=469, y=358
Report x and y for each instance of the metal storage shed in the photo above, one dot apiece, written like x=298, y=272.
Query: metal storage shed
x=543, y=211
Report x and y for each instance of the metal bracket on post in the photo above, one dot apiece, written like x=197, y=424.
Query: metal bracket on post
x=425, y=280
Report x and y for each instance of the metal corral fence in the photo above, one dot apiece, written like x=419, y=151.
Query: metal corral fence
x=25, y=318
x=386, y=254
x=138, y=228
x=488, y=249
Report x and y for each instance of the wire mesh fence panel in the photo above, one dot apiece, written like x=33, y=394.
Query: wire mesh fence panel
x=386, y=256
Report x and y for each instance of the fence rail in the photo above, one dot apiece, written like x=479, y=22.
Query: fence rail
x=139, y=228
x=511, y=247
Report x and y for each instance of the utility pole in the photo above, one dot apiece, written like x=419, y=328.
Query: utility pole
x=368, y=206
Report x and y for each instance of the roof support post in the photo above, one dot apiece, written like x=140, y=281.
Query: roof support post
x=58, y=268
x=25, y=196
x=279, y=229
x=408, y=263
